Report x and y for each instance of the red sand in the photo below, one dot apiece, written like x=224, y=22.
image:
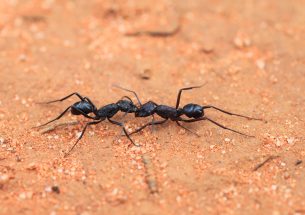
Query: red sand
x=252, y=55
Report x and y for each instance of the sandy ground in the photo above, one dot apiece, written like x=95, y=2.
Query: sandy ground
x=250, y=53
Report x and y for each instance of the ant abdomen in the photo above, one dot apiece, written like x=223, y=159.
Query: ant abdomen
x=84, y=106
x=193, y=110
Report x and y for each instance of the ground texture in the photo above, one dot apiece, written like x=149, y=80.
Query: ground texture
x=250, y=53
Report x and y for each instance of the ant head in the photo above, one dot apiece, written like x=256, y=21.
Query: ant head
x=146, y=109
x=127, y=106
x=193, y=111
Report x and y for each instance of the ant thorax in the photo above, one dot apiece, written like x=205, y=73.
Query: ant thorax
x=166, y=112
x=146, y=109
x=108, y=111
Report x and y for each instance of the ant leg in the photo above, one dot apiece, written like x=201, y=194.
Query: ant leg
x=122, y=88
x=216, y=123
x=80, y=137
x=61, y=115
x=60, y=100
x=186, y=88
x=150, y=123
x=122, y=132
x=86, y=115
x=189, y=130
x=122, y=125
x=229, y=113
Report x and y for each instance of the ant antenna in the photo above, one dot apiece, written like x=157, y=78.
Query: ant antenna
x=186, y=88
x=122, y=88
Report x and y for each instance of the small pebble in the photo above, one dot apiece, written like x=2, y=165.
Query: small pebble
x=286, y=175
x=260, y=63
x=241, y=41
x=22, y=58
x=290, y=140
x=278, y=142
x=238, y=42
x=199, y=156
x=18, y=159
x=78, y=134
x=22, y=195
x=298, y=162
x=32, y=166
x=26, y=195
x=207, y=49
x=273, y=187
x=146, y=74
x=3, y=180
x=56, y=189
x=48, y=189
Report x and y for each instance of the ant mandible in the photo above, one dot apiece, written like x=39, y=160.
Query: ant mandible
x=85, y=107
x=193, y=111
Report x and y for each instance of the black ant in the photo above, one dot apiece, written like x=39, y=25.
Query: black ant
x=85, y=107
x=193, y=111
